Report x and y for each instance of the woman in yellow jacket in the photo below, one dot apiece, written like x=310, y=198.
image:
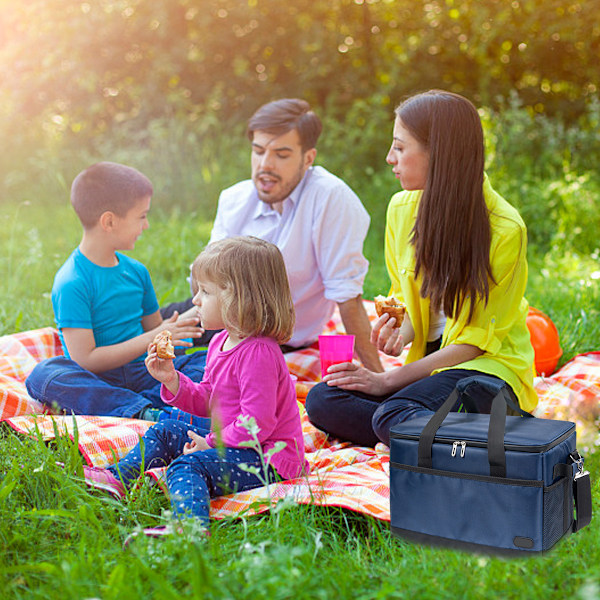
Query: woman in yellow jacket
x=456, y=253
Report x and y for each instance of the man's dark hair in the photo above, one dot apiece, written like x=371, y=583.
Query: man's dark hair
x=280, y=116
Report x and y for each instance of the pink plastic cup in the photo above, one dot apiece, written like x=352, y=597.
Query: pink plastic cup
x=335, y=349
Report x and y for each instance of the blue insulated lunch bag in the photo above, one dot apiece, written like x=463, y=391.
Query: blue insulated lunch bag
x=489, y=483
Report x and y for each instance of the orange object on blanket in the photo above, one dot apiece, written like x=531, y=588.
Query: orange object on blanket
x=545, y=341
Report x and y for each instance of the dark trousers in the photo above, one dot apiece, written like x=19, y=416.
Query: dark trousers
x=367, y=420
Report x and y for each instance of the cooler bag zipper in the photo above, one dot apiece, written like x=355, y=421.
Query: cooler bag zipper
x=479, y=444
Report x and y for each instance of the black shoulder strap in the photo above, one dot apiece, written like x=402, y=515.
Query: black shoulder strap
x=582, y=494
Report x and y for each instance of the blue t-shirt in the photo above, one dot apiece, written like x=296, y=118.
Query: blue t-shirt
x=109, y=300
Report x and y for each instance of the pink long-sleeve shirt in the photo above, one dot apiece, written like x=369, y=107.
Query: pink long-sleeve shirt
x=249, y=380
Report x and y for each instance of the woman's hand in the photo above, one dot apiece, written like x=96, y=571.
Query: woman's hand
x=350, y=376
x=197, y=443
x=162, y=369
x=387, y=338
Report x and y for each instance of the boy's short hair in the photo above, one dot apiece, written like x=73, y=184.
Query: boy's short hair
x=256, y=298
x=107, y=186
x=280, y=116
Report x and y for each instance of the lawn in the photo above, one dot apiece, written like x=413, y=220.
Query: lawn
x=60, y=541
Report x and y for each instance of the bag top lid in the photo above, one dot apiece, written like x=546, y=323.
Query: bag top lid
x=528, y=434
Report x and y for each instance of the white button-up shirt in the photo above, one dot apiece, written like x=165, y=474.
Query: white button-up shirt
x=320, y=233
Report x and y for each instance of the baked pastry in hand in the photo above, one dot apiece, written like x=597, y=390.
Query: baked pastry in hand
x=392, y=307
x=164, y=345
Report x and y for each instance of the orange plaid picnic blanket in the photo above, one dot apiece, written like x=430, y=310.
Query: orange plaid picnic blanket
x=341, y=474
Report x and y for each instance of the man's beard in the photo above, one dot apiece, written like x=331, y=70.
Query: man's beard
x=285, y=191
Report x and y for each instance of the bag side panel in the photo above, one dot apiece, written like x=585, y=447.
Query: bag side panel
x=557, y=454
x=558, y=511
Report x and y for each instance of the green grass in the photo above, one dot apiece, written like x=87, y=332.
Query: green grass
x=58, y=540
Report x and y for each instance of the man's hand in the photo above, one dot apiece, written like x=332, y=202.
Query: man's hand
x=356, y=322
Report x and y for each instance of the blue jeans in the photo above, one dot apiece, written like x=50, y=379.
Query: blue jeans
x=367, y=420
x=121, y=392
x=192, y=479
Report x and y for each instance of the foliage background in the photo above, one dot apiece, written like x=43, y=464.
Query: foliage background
x=167, y=86
x=158, y=82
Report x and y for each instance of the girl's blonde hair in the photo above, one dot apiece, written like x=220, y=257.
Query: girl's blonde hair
x=256, y=297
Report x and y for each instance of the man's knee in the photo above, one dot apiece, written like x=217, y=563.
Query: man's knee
x=318, y=403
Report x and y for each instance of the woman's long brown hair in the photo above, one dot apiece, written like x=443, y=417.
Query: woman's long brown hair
x=451, y=234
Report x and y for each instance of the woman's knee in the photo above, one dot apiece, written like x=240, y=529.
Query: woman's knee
x=381, y=423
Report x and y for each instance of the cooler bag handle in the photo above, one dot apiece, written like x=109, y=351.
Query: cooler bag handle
x=496, y=453
x=493, y=385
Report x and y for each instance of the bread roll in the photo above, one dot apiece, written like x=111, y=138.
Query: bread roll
x=164, y=345
x=392, y=307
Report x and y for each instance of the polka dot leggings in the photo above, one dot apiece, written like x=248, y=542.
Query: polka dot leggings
x=192, y=479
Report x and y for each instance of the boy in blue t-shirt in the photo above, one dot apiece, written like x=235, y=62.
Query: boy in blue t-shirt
x=106, y=309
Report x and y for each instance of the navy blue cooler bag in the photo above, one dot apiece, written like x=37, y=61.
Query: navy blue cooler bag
x=489, y=483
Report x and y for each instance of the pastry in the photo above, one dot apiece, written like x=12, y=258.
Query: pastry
x=392, y=307
x=164, y=345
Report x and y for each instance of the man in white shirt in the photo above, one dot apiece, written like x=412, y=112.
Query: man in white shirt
x=315, y=219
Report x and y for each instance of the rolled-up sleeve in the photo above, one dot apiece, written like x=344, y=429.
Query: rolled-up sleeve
x=339, y=232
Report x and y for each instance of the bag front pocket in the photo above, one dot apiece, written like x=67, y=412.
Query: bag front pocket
x=496, y=512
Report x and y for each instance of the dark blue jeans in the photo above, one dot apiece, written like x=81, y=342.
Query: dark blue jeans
x=192, y=479
x=367, y=420
x=121, y=392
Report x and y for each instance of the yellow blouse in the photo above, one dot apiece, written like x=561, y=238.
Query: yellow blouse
x=498, y=328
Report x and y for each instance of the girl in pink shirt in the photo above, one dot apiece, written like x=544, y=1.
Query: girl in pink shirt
x=242, y=289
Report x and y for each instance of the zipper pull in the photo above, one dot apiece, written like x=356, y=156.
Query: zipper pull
x=463, y=449
x=454, y=447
